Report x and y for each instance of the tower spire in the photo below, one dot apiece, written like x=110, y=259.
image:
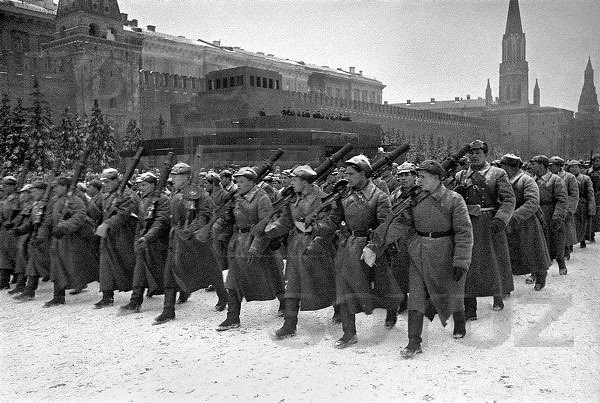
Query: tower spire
x=513, y=22
x=536, y=94
x=488, y=94
x=588, y=101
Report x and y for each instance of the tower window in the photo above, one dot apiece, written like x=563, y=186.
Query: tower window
x=94, y=30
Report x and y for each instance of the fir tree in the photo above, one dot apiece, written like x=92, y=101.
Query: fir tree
x=101, y=140
x=5, y=123
x=16, y=138
x=419, y=152
x=39, y=132
x=69, y=139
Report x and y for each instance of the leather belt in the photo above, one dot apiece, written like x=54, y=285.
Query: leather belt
x=359, y=233
x=440, y=234
x=243, y=230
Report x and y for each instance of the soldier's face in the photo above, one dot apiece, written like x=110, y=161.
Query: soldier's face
x=537, y=168
x=477, y=157
x=145, y=187
x=406, y=179
x=179, y=181
x=575, y=169
x=244, y=184
x=297, y=184
x=596, y=163
x=109, y=185
x=554, y=168
x=427, y=181
x=36, y=194
x=355, y=178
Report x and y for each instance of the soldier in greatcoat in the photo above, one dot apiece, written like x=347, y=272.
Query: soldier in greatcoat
x=526, y=240
x=309, y=271
x=491, y=203
x=586, y=208
x=554, y=205
x=440, y=254
x=117, y=233
x=363, y=209
x=221, y=230
x=21, y=231
x=594, y=173
x=38, y=257
x=8, y=247
x=73, y=261
x=556, y=166
x=190, y=264
x=253, y=272
x=152, y=239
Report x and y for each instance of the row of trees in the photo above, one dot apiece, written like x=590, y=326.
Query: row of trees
x=29, y=133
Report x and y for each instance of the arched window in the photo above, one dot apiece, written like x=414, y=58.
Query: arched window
x=94, y=30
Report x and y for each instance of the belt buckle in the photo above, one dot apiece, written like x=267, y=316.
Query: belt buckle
x=430, y=235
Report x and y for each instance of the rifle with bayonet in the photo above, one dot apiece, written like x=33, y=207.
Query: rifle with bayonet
x=124, y=180
x=13, y=200
x=203, y=233
x=160, y=186
x=77, y=171
x=39, y=209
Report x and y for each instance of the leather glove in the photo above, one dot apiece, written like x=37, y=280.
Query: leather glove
x=186, y=233
x=8, y=225
x=141, y=243
x=498, y=225
x=58, y=232
x=369, y=256
x=556, y=224
x=458, y=273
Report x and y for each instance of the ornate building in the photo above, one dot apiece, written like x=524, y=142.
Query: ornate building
x=587, y=118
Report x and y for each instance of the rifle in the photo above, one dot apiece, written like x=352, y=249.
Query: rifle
x=262, y=171
x=40, y=213
x=79, y=167
x=387, y=159
x=162, y=182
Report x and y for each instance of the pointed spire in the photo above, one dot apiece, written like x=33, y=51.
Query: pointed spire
x=513, y=22
x=588, y=101
x=589, y=64
x=536, y=94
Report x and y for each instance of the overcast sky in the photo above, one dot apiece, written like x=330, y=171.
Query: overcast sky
x=419, y=49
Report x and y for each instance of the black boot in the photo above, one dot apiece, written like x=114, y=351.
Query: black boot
x=530, y=279
x=391, y=318
x=292, y=306
x=59, y=298
x=234, y=306
x=498, y=303
x=29, y=292
x=183, y=297
x=135, y=303
x=349, y=328
x=404, y=304
x=107, y=300
x=281, y=309
x=337, y=316
x=582, y=244
x=415, y=329
x=562, y=268
x=540, y=281
x=168, y=312
x=4, y=279
x=460, y=329
x=221, y=294
x=470, y=308
x=20, y=287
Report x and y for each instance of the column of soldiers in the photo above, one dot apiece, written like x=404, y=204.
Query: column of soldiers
x=427, y=239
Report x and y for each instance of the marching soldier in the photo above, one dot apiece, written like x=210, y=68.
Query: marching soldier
x=526, y=240
x=363, y=209
x=73, y=261
x=10, y=207
x=190, y=264
x=310, y=253
x=21, y=231
x=586, y=208
x=117, y=233
x=491, y=203
x=152, y=239
x=594, y=173
x=554, y=205
x=440, y=255
x=253, y=274
x=557, y=167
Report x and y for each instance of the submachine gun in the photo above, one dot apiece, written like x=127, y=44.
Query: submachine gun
x=203, y=233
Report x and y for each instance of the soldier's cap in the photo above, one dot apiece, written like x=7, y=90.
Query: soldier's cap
x=96, y=183
x=213, y=177
x=109, y=174
x=9, y=180
x=478, y=145
x=26, y=188
x=303, y=172
x=463, y=161
x=407, y=167
x=39, y=185
x=574, y=162
x=246, y=172
x=541, y=159
x=361, y=163
x=433, y=167
x=202, y=174
x=147, y=177
x=63, y=181
x=556, y=160
x=286, y=172
x=511, y=160
x=226, y=173
x=181, y=168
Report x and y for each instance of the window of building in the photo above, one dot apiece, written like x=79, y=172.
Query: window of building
x=217, y=83
x=155, y=78
x=264, y=82
x=356, y=95
x=193, y=80
x=184, y=83
x=258, y=81
x=364, y=95
x=338, y=92
x=347, y=94
x=224, y=82
x=252, y=81
x=239, y=80
x=277, y=84
x=270, y=83
x=20, y=41
x=209, y=85
x=146, y=76
x=329, y=91
x=232, y=81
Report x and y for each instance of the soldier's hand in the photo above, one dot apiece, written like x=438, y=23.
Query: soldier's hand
x=101, y=230
x=8, y=225
x=498, y=225
x=556, y=224
x=458, y=273
x=369, y=256
x=186, y=233
x=141, y=242
x=201, y=235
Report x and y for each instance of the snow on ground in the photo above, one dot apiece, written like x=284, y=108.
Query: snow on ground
x=544, y=346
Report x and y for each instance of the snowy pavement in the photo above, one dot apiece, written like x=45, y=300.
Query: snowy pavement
x=543, y=347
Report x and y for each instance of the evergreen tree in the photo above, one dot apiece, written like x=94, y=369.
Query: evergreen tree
x=69, y=139
x=16, y=140
x=100, y=138
x=419, y=152
x=5, y=123
x=40, y=132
